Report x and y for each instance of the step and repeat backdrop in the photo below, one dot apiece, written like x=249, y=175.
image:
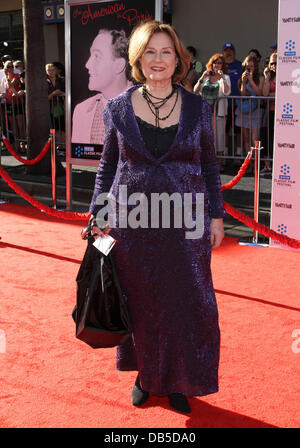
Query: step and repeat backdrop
x=285, y=213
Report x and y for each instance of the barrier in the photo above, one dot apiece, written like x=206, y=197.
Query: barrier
x=65, y=214
x=21, y=159
x=229, y=151
x=261, y=228
x=240, y=174
x=74, y=216
x=229, y=145
x=53, y=166
x=13, y=120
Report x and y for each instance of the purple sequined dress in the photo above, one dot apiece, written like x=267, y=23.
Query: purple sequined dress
x=165, y=276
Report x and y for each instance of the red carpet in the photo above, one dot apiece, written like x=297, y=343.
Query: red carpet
x=49, y=379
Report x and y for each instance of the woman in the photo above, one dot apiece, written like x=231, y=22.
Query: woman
x=159, y=140
x=250, y=84
x=269, y=89
x=56, y=92
x=60, y=68
x=11, y=86
x=256, y=54
x=20, y=69
x=214, y=84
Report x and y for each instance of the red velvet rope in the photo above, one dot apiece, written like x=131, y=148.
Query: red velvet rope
x=240, y=173
x=261, y=228
x=67, y=215
x=25, y=161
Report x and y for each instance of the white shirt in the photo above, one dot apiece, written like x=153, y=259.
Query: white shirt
x=2, y=81
x=83, y=116
x=223, y=104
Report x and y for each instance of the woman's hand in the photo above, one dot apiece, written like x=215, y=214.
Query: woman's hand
x=216, y=232
x=54, y=93
x=220, y=74
x=96, y=232
x=251, y=80
x=245, y=77
x=199, y=83
x=267, y=73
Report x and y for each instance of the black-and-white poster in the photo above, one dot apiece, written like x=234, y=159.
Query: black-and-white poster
x=99, y=34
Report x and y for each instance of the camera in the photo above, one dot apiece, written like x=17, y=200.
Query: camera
x=247, y=69
x=212, y=72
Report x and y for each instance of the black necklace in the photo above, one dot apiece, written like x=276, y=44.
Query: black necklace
x=155, y=106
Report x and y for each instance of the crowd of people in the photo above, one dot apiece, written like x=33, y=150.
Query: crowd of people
x=12, y=95
x=250, y=119
x=239, y=120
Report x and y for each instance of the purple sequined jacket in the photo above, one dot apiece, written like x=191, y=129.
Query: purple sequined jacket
x=189, y=166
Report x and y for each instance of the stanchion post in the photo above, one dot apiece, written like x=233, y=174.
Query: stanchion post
x=53, y=167
x=1, y=146
x=257, y=148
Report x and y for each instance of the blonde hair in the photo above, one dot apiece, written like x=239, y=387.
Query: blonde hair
x=18, y=64
x=139, y=40
x=49, y=66
x=6, y=63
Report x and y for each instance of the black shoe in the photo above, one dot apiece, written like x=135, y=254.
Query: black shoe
x=180, y=403
x=139, y=396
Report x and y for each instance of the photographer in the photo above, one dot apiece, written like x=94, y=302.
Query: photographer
x=215, y=84
x=11, y=91
x=250, y=84
x=269, y=88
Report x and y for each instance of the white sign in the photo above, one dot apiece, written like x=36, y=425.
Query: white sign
x=285, y=212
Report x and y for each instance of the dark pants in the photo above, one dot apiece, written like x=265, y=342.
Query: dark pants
x=267, y=136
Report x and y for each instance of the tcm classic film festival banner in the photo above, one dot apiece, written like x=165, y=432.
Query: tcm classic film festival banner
x=99, y=34
x=285, y=216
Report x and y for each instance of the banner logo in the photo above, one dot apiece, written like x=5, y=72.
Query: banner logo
x=290, y=47
x=287, y=111
x=290, y=19
x=287, y=117
x=285, y=171
x=281, y=228
x=79, y=151
x=289, y=52
x=285, y=178
x=286, y=145
x=283, y=205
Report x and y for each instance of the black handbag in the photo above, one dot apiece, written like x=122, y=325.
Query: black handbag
x=101, y=314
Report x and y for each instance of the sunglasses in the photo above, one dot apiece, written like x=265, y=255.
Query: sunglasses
x=218, y=62
x=9, y=66
x=273, y=63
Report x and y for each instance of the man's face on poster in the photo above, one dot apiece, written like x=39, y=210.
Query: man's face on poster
x=102, y=65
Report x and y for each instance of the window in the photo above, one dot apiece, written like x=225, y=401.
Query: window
x=11, y=31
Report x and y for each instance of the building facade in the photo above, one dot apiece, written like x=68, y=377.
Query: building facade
x=11, y=29
x=204, y=25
